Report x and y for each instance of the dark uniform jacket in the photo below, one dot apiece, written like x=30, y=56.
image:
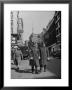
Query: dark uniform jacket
x=35, y=56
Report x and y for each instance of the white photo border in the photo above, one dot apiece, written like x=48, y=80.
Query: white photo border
x=64, y=8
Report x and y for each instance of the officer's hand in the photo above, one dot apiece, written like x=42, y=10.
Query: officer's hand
x=39, y=57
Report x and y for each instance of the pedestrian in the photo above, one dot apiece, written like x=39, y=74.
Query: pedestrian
x=17, y=57
x=43, y=57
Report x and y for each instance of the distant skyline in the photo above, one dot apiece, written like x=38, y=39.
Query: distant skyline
x=32, y=21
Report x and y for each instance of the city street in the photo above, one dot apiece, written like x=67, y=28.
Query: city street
x=25, y=72
x=41, y=37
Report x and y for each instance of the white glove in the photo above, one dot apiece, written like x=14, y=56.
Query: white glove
x=39, y=57
x=31, y=57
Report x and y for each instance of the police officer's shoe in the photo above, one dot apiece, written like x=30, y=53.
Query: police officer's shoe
x=33, y=72
x=17, y=68
x=36, y=73
x=41, y=69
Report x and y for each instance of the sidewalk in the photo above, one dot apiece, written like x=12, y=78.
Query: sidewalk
x=25, y=72
x=52, y=58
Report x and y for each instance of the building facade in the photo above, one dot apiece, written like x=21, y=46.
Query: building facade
x=52, y=37
x=16, y=29
x=58, y=28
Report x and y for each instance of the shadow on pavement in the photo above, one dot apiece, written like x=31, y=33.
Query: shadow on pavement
x=22, y=71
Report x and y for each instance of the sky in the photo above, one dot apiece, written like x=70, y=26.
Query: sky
x=32, y=20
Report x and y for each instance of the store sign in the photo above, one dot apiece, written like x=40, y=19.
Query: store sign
x=20, y=25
